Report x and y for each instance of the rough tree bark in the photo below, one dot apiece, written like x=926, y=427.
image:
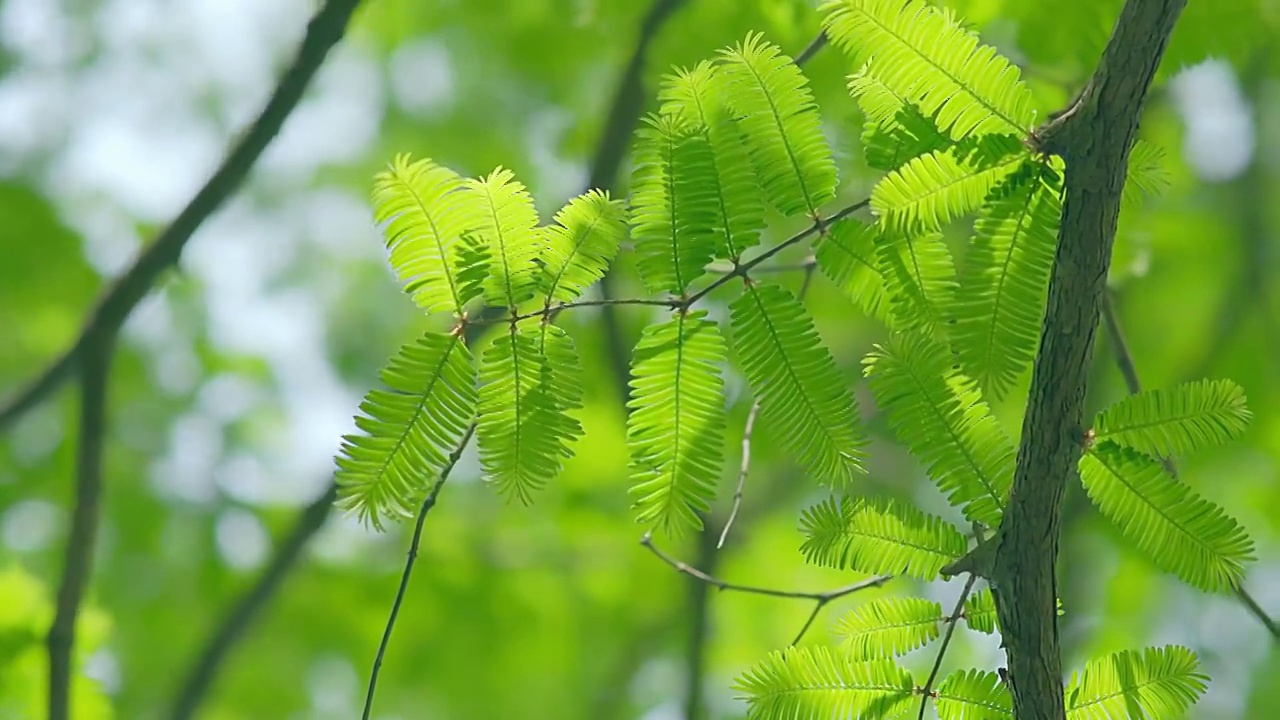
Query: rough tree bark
x=1094, y=135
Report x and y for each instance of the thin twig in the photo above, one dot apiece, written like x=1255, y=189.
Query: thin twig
x=242, y=614
x=927, y=691
x=427, y=503
x=818, y=226
x=1127, y=368
x=77, y=566
x=821, y=598
x=323, y=32
x=603, y=302
x=745, y=467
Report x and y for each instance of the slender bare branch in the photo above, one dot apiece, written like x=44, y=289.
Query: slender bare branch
x=427, y=503
x=1124, y=360
x=77, y=566
x=927, y=691
x=323, y=32
x=238, y=618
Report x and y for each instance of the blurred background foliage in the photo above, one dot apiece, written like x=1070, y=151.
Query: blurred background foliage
x=236, y=379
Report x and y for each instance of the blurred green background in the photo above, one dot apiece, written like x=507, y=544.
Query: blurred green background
x=235, y=380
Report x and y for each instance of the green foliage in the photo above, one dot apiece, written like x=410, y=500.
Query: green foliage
x=796, y=382
x=935, y=188
x=409, y=429
x=927, y=58
x=699, y=97
x=847, y=254
x=1002, y=287
x=1180, y=531
x=425, y=212
x=1155, y=683
x=677, y=421
x=507, y=224
x=889, y=626
x=920, y=278
x=973, y=695
x=780, y=124
x=879, y=537
x=817, y=683
x=673, y=205
x=578, y=248
x=937, y=412
x=980, y=611
x=1176, y=420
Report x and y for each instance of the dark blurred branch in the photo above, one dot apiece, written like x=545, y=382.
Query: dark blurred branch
x=427, y=503
x=1125, y=361
x=620, y=125
x=77, y=565
x=114, y=307
x=242, y=614
x=812, y=49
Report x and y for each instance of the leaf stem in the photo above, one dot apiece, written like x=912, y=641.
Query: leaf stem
x=427, y=503
x=820, y=598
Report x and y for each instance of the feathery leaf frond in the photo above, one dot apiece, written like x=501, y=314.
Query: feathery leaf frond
x=920, y=277
x=878, y=537
x=889, y=626
x=699, y=97
x=1176, y=420
x=1152, y=683
x=796, y=382
x=1147, y=175
x=973, y=695
x=527, y=378
x=935, y=188
x=507, y=224
x=780, y=124
x=578, y=248
x=1181, y=532
x=424, y=212
x=1003, y=287
x=927, y=58
x=846, y=254
x=677, y=421
x=896, y=129
x=802, y=683
x=980, y=611
x=939, y=414
x=673, y=205
x=409, y=429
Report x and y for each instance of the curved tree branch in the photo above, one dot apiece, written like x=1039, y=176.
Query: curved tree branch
x=242, y=614
x=323, y=32
x=1094, y=135
x=77, y=566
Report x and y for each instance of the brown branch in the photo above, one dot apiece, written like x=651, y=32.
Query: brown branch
x=927, y=691
x=1124, y=360
x=819, y=597
x=77, y=566
x=427, y=503
x=241, y=615
x=323, y=32
x=1094, y=135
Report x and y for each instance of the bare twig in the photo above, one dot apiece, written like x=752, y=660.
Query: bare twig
x=745, y=467
x=323, y=32
x=427, y=503
x=820, y=597
x=1124, y=360
x=927, y=692
x=818, y=226
x=604, y=302
x=242, y=614
x=77, y=566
